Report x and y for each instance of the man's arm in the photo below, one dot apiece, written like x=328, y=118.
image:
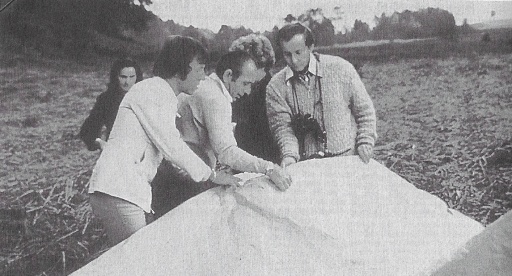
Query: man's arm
x=217, y=119
x=91, y=128
x=364, y=115
x=363, y=111
x=158, y=121
x=279, y=117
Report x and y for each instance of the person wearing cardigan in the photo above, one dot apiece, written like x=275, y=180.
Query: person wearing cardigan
x=317, y=105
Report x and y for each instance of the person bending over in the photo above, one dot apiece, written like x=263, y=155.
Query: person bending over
x=143, y=133
x=205, y=124
x=252, y=132
x=317, y=105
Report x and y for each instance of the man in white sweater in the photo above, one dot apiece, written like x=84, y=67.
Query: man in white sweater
x=205, y=122
x=143, y=133
x=205, y=125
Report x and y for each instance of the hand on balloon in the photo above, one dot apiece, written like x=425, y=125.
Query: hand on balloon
x=365, y=152
x=280, y=177
x=288, y=160
x=101, y=144
x=223, y=178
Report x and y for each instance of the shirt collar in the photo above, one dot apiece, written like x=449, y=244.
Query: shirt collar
x=221, y=85
x=312, y=69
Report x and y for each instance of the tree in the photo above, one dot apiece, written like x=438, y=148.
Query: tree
x=225, y=37
x=382, y=29
x=360, y=31
x=437, y=22
x=430, y=22
x=290, y=18
x=322, y=27
x=193, y=32
x=465, y=27
x=70, y=25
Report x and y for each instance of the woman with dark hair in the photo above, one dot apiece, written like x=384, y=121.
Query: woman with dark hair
x=144, y=132
x=252, y=131
x=124, y=73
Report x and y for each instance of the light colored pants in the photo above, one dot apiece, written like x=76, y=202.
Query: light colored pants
x=120, y=218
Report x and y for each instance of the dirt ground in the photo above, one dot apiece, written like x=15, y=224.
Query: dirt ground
x=439, y=124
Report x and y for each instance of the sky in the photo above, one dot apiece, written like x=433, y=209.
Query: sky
x=261, y=15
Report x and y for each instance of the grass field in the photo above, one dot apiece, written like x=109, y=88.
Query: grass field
x=439, y=121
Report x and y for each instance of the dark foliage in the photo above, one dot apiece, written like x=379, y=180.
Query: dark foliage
x=69, y=26
x=430, y=22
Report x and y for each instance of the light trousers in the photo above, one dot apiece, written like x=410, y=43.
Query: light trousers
x=120, y=218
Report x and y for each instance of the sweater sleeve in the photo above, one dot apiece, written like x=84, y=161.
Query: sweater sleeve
x=217, y=119
x=279, y=117
x=91, y=128
x=158, y=121
x=363, y=110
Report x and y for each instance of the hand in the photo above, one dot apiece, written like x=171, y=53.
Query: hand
x=223, y=178
x=365, y=151
x=280, y=177
x=181, y=172
x=288, y=160
x=100, y=143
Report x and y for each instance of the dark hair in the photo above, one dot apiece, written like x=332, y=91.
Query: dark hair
x=287, y=32
x=176, y=55
x=233, y=60
x=116, y=68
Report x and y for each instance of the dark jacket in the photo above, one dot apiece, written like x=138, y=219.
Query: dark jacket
x=102, y=114
x=252, y=132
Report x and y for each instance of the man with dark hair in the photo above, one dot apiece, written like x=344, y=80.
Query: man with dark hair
x=234, y=62
x=171, y=186
x=318, y=106
x=176, y=55
x=205, y=125
x=143, y=133
x=205, y=122
x=252, y=132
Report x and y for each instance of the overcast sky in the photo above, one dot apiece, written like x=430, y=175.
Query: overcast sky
x=261, y=15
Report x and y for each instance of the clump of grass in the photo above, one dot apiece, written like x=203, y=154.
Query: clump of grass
x=60, y=230
x=31, y=121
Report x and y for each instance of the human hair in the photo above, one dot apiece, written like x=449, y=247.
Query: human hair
x=232, y=60
x=259, y=47
x=116, y=68
x=176, y=55
x=287, y=32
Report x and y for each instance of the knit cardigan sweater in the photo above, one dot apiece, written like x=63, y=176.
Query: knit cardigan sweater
x=348, y=113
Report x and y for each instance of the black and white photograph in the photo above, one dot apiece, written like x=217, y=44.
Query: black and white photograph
x=256, y=137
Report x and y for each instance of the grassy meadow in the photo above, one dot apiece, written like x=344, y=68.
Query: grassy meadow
x=440, y=120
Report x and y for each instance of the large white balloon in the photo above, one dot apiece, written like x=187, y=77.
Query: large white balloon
x=339, y=217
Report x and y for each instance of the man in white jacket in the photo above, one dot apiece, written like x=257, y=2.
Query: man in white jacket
x=144, y=133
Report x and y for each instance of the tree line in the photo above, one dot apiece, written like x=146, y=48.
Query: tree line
x=72, y=25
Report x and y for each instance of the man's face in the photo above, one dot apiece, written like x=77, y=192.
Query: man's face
x=242, y=85
x=127, y=78
x=196, y=75
x=296, y=53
